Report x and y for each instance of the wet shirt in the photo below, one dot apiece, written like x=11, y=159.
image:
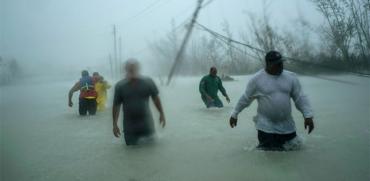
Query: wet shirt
x=273, y=94
x=209, y=85
x=87, y=90
x=134, y=96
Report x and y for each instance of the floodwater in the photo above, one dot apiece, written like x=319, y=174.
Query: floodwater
x=43, y=139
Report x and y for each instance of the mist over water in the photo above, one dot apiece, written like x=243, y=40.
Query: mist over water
x=43, y=139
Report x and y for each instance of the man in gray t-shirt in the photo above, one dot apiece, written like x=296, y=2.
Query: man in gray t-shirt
x=133, y=93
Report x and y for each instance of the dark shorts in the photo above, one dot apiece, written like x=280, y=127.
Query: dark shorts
x=137, y=138
x=214, y=103
x=87, y=106
x=272, y=141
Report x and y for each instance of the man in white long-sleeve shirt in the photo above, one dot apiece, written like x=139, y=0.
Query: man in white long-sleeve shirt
x=273, y=87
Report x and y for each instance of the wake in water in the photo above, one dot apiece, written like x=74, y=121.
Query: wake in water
x=295, y=144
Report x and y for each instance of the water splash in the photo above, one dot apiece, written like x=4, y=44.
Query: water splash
x=294, y=144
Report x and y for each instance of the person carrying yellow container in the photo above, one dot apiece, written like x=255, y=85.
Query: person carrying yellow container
x=101, y=87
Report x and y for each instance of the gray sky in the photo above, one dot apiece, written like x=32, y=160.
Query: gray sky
x=78, y=33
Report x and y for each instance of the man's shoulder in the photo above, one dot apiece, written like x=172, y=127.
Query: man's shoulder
x=218, y=79
x=290, y=75
x=121, y=83
x=258, y=74
x=147, y=80
x=205, y=77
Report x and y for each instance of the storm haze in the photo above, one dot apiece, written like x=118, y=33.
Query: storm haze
x=73, y=35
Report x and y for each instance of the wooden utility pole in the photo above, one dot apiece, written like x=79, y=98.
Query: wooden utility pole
x=180, y=53
x=115, y=59
x=111, y=66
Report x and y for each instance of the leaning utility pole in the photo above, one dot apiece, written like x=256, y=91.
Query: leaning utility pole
x=180, y=53
x=115, y=60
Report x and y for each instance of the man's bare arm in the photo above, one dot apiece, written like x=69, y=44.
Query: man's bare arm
x=75, y=88
x=115, y=114
x=158, y=105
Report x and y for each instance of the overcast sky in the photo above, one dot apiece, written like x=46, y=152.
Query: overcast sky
x=78, y=33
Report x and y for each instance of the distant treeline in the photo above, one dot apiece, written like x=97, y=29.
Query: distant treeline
x=341, y=44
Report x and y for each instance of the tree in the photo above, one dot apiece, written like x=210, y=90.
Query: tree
x=165, y=51
x=340, y=27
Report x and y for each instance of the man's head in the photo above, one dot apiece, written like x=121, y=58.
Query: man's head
x=132, y=68
x=96, y=74
x=84, y=73
x=274, y=63
x=213, y=71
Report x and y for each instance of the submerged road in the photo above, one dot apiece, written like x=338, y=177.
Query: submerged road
x=42, y=139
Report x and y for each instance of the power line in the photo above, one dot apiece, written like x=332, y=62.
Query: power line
x=147, y=10
x=263, y=51
x=226, y=40
x=231, y=45
x=181, y=25
x=184, y=23
x=253, y=56
x=229, y=39
x=144, y=10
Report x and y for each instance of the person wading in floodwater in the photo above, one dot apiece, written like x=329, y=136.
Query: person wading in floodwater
x=273, y=88
x=208, y=88
x=133, y=94
x=87, y=100
x=101, y=87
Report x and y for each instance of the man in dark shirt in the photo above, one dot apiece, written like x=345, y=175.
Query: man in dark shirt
x=133, y=94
